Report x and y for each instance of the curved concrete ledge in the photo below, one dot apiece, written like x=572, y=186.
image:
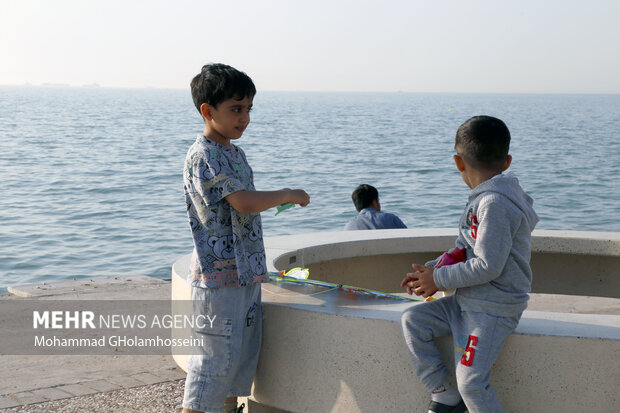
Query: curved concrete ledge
x=319, y=355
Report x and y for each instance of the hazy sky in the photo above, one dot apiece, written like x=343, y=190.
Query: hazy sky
x=541, y=46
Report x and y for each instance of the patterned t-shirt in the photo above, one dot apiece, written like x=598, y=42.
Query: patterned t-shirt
x=228, y=244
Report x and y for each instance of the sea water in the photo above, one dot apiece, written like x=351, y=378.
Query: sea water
x=91, y=178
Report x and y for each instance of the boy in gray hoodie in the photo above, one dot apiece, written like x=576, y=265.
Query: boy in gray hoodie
x=492, y=284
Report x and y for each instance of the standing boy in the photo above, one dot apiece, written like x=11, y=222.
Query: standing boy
x=492, y=284
x=228, y=263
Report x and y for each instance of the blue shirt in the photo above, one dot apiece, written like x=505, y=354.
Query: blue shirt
x=370, y=218
x=228, y=244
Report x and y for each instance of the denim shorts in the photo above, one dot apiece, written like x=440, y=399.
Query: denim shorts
x=226, y=364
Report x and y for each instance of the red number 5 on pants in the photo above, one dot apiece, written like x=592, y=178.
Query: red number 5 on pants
x=470, y=350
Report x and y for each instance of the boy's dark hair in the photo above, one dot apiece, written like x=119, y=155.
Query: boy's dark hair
x=363, y=196
x=484, y=141
x=218, y=82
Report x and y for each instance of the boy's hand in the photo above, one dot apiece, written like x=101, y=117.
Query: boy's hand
x=409, y=279
x=298, y=196
x=420, y=282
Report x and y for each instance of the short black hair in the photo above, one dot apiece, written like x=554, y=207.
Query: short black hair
x=484, y=141
x=363, y=196
x=218, y=82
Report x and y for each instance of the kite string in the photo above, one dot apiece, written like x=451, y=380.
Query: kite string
x=304, y=294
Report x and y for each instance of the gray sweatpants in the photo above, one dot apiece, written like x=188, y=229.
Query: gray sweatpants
x=478, y=339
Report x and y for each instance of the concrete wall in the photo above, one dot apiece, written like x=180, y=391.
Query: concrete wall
x=563, y=262
x=554, y=273
x=315, y=362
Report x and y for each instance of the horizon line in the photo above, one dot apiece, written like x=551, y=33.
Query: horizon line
x=97, y=86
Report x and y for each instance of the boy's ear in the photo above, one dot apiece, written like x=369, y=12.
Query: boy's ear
x=375, y=205
x=460, y=165
x=205, y=110
x=507, y=163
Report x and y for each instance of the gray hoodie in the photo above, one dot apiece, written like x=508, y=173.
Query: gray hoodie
x=496, y=231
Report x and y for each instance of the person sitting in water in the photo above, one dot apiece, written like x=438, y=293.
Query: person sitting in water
x=366, y=201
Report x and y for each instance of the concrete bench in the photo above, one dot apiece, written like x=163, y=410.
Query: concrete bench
x=320, y=354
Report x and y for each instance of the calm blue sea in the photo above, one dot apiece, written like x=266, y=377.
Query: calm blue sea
x=91, y=183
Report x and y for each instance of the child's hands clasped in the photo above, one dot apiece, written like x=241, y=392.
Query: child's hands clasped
x=420, y=282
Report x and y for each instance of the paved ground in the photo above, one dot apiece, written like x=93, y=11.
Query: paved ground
x=35, y=379
x=155, y=398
